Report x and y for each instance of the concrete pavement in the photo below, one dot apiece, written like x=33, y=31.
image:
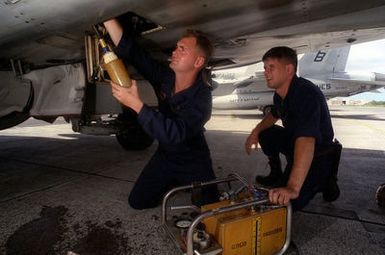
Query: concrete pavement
x=64, y=192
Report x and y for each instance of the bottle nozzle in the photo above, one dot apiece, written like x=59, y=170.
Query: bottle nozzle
x=97, y=31
x=102, y=43
x=101, y=40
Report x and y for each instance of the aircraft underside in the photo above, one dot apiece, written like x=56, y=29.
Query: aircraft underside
x=49, y=64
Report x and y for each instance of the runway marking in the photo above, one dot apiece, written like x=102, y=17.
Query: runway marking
x=57, y=184
x=69, y=170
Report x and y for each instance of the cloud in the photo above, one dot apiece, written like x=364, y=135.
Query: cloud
x=369, y=57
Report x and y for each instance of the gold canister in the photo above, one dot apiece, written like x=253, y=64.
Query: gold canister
x=118, y=72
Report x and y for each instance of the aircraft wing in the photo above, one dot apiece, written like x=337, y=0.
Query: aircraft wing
x=42, y=43
x=377, y=84
x=376, y=91
x=43, y=33
x=353, y=87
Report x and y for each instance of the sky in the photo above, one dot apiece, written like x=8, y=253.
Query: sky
x=368, y=57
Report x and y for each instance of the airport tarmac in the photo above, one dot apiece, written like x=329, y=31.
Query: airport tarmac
x=63, y=192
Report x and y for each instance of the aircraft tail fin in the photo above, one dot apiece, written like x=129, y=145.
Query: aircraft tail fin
x=379, y=77
x=323, y=62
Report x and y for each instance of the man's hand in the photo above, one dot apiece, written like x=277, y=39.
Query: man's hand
x=252, y=141
x=128, y=96
x=282, y=196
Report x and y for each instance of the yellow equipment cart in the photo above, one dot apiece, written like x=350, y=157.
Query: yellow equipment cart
x=243, y=222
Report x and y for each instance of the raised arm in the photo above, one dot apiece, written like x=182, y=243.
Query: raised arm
x=114, y=29
x=133, y=54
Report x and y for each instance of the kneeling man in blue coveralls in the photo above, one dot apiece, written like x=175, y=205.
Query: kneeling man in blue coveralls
x=184, y=99
x=306, y=138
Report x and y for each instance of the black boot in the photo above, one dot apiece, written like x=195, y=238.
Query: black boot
x=331, y=191
x=275, y=176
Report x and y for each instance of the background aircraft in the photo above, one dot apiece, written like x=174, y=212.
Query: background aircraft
x=325, y=68
x=48, y=56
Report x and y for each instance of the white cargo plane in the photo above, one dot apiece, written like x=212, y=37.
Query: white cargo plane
x=325, y=68
x=49, y=62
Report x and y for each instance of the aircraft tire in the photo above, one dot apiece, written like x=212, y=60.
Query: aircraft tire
x=131, y=135
x=134, y=138
x=267, y=109
x=15, y=118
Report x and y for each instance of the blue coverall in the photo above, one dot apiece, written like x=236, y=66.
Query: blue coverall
x=183, y=155
x=304, y=113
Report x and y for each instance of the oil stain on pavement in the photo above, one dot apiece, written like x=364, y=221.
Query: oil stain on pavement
x=47, y=233
x=40, y=235
x=101, y=240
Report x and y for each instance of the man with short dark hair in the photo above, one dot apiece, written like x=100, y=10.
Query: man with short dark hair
x=306, y=138
x=184, y=99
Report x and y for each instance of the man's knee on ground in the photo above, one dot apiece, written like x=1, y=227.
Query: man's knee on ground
x=140, y=203
x=307, y=193
x=299, y=203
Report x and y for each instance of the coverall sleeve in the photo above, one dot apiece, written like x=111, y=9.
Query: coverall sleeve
x=188, y=121
x=151, y=69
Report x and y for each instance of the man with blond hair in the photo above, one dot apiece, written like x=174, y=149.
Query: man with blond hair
x=184, y=96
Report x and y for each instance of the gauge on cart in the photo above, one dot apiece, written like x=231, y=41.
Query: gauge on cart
x=243, y=223
x=183, y=223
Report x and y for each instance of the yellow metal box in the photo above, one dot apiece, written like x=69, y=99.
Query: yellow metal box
x=248, y=232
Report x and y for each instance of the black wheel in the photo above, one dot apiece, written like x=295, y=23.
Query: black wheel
x=267, y=109
x=134, y=138
x=15, y=118
x=131, y=135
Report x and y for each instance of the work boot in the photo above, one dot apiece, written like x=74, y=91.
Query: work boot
x=275, y=176
x=331, y=191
